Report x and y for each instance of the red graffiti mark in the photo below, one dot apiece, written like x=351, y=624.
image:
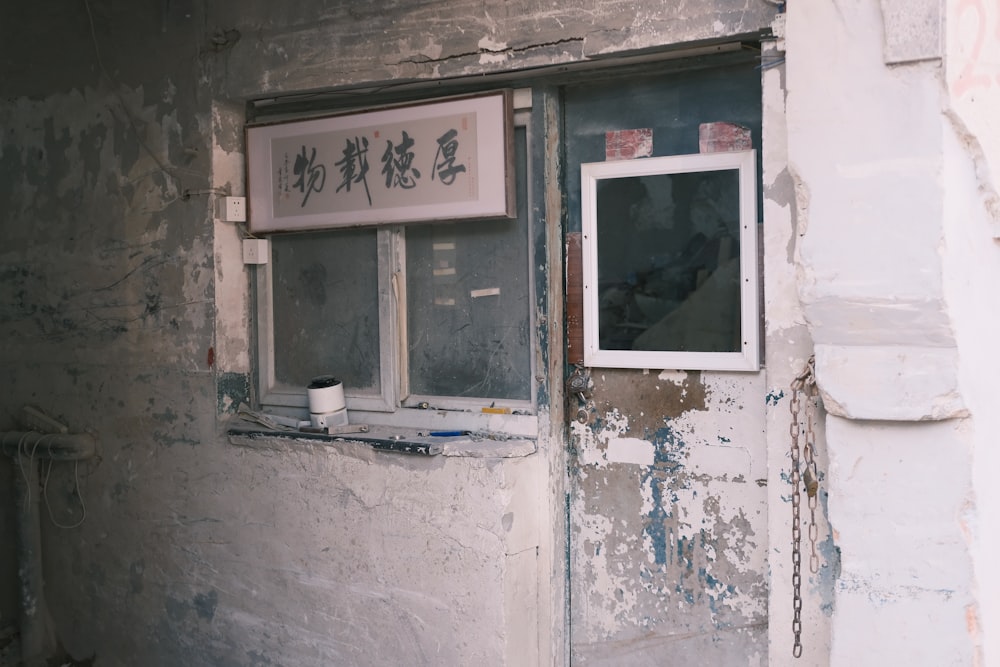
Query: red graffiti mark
x=969, y=78
x=211, y=357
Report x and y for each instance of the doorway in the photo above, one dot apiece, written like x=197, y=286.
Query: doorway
x=667, y=498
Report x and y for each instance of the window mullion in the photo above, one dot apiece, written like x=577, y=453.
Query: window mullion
x=399, y=333
x=392, y=299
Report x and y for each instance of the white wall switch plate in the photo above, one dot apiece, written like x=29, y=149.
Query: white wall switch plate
x=255, y=251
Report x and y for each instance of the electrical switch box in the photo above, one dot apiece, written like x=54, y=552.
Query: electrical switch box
x=255, y=251
x=231, y=209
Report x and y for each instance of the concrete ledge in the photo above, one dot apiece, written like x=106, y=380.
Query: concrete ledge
x=386, y=439
x=895, y=383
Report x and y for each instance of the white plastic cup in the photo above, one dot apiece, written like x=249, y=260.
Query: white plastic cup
x=326, y=394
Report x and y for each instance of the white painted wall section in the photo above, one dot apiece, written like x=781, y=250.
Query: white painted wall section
x=870, y=149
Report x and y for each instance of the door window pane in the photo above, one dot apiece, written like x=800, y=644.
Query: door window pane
x=669, y=262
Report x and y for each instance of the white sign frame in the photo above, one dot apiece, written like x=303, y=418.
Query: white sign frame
x=439, y=160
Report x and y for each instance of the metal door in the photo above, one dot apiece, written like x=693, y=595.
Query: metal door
x=668, y=520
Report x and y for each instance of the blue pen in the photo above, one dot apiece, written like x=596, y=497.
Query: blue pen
x=448, y=434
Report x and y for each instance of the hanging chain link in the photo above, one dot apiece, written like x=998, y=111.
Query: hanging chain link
x=811, y=473
x=803, y=386
x=796, y=531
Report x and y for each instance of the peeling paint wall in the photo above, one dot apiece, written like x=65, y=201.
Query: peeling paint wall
x=787, y=347
x=107, y=304
x=9, y=607
x=310, y=47
x=126, y=313
x=194, y=552
x=670, y=533
x=971, y=266
x=896, y=213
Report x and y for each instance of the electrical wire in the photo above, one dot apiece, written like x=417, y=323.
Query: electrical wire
x=767, y=62
x=218, y=192
x=31, y=460
x=22, y=449
x=79, y=494
x=20, y=466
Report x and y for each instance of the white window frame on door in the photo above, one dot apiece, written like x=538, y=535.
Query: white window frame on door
x=745, y=359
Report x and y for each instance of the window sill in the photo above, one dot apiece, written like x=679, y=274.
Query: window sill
x=387, y=439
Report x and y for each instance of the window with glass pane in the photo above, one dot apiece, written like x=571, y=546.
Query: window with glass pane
x=668, y=262
x=326, y=308
x=468, y=307
x=468, y=304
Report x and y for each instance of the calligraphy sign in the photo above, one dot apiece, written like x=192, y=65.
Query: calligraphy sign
x=443, y=160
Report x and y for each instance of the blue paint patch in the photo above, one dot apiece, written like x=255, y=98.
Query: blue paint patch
x=685, y=553
x=686, y=593
x=656, y=526
x=772, y=398
x=829, y=571
x=668, y=457
x=231, y=390
x=205, y=604
x=168, y=416
x=679, y=567
x=568, y=517
x=669, y=451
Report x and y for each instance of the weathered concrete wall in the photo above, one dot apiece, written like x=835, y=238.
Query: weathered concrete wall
x=9, y=609
x=126, y=313
x=327, y=44
x=194, y=552
x=971, y=266
x=787, y=347
x=895, y=213
x=107, y=279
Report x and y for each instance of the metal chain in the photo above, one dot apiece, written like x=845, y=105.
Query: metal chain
x=811, y=474
x=796, y=528
x=803, y=385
